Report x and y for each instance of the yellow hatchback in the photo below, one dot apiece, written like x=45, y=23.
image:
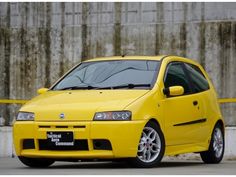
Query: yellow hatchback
x=137, y=108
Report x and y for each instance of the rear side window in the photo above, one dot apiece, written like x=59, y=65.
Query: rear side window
x=175, y=76
x=199, y=82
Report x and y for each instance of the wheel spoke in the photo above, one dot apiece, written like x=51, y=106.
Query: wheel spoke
x=221, y=145
x=152, y=135
x=148, y=155
x=218, y=135
x=150, y=132
x=215, y=146
x=155, y=148
x=144, y=154
x=144, y=135
x=141, y=148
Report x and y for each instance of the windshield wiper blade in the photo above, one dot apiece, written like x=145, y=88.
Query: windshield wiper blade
x=130, y=86
x=89, y=87
x=78, y=88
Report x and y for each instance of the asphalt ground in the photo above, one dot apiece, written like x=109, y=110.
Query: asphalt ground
x=12, y=166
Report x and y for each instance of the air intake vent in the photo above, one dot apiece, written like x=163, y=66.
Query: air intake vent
x=102, y=145
x=28, y=144
x=80, y=126
x=44, y=126
x=61, y=126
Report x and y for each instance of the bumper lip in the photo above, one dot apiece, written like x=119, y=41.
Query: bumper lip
x=100, y=154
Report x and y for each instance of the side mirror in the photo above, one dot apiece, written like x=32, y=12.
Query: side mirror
x=42, y=90
x=173, y=91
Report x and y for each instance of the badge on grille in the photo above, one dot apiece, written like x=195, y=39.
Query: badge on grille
x=62, y=116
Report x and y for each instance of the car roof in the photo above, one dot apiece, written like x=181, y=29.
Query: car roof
x=158, y=58
x=154, y=58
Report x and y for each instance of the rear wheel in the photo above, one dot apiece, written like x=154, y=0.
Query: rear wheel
x=36, y=162
x=215, y=152
x=151, y=147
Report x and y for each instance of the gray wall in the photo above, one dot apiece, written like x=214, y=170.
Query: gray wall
x=40, y=41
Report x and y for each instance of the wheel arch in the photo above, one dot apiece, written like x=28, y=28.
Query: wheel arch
x=154, y=120
x=217, y=122
x=209, y=156
x=221, y=123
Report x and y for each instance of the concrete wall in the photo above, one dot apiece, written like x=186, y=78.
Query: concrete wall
x=7, y=149
x=6, y=143
x=40, y=41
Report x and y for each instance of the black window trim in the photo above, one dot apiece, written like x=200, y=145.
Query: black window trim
x=189, y=78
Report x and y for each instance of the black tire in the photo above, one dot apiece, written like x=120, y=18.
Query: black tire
x=36, y=162
x=138, y=161
x=213, y=156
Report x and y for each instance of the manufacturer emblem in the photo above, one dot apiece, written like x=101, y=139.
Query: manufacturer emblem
x=62, y=116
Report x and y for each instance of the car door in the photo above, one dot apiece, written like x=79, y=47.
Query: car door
x=181, y=113
x=201, y=89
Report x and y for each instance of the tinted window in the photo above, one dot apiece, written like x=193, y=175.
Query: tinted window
x=199, y=81
x=175, y=76
x=111, y=73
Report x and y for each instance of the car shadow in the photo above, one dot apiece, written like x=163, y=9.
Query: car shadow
x=119, y=165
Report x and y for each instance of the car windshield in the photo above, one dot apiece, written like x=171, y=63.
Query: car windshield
x=117, y=74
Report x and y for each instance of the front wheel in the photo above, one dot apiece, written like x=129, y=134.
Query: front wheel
x=215, y=152
x=151, y=147
x=36, y=162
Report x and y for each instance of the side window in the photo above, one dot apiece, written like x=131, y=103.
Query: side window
x=199, y=81
x=175, y=76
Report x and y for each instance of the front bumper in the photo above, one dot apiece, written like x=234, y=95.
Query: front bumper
x=123, y=136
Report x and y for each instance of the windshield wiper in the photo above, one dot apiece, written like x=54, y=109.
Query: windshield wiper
x=130, y=86
x=89, y=87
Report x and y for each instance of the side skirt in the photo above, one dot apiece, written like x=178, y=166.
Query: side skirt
x=186, y=148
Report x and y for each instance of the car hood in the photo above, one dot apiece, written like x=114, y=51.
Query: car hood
x=79, y=104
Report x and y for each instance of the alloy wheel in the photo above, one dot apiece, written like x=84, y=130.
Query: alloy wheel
x=149, y=146
x=218, y=142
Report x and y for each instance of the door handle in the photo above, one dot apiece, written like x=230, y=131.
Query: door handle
x=195, y=103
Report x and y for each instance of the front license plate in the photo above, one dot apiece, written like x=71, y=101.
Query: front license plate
x=61, y=138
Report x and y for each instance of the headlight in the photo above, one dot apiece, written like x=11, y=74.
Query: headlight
x=25, y=116
x=113, y=115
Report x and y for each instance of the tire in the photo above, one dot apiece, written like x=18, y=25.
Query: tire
x=215, y=152
x=151, y=147
x=36, y=162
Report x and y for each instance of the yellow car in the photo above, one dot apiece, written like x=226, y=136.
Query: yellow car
x=137, y=108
